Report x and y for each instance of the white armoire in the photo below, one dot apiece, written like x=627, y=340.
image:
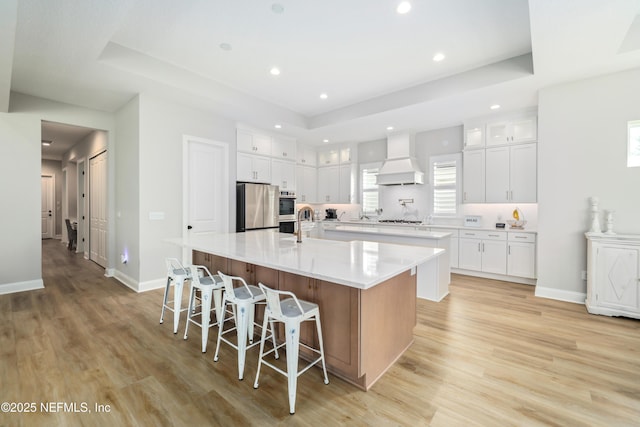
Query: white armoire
x=613, y=275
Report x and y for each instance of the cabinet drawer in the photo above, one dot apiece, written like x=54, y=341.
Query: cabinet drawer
x=485, y=235
x=522, y=237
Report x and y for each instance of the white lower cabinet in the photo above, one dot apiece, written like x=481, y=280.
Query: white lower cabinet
x=521, y=254
x=613, y=275
x=484, y=251
x=252, y=168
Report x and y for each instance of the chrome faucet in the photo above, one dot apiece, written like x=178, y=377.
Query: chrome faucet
x=300, y=212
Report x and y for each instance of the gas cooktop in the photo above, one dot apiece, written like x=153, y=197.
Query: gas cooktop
x=400, y=221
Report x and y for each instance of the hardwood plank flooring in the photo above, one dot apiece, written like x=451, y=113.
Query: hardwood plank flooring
x=490, y=354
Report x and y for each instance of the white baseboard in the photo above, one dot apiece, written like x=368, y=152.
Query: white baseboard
x=133, y=284
x=152, y=284
x=514, y=279
x=561, y=295
x=29, y=285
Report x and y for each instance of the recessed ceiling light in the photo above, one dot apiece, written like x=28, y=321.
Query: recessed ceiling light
x=46, y=143
x=277, y=8
x=389, y=127
x=438, y=57
x=325, y=140
x=403, y=7
x=225, y=46
x=278, y=126
x=275, y=71
x=495, y=106
x=323, y=96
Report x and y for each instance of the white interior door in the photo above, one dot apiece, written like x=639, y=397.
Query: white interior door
x=47, y=212
x=98, y=209
x=81, y=209
x=206, y=192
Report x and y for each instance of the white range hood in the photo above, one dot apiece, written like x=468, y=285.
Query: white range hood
x=401, y=166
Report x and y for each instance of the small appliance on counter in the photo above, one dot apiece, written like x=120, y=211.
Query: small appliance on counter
x=331, y=214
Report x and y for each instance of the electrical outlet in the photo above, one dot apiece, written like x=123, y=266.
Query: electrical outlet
x=584, y=274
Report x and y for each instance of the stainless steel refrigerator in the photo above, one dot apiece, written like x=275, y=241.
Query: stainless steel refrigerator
x=256, y=206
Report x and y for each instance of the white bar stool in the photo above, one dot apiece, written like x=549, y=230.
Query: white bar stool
x=209, y=286
x=176, y=274
x=243, y=300
x=292, y=312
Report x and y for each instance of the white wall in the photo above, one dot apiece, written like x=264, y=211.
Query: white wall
x=162, y=126
x=127, y=191
x=582, y=132
x=21, y=251
x=427, y=144
x=20, y=134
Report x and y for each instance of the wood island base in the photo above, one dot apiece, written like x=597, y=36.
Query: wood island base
x=364, y=330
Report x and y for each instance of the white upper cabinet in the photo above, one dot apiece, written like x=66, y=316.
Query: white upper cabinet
x=329, y=185
x=345, y=155
x=473, y=176
x=513, y=131
x=283, y=174
x=253, y=168
x=283, y=148
x=523, y=173
x=474, y=135
x=306, y=184
x=511, y=174
x=306, y=156
x=250, y=142
x=329, y=157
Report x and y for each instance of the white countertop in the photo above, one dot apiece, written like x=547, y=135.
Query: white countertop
x=357, y=264
x=408, y=232
x=422, y=226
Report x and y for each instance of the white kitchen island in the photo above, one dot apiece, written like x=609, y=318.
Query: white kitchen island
x=366, y=290
x=433, y=290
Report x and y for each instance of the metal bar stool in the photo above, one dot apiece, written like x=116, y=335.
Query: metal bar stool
x=210, y=287
x=292, y=312
x=176, y=274
x=243, y=300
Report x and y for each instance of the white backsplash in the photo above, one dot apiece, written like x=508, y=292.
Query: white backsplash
x=419, y=209
x=345, y=211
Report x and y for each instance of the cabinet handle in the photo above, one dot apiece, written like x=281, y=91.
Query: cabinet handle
x=304, y=161
x=507, y=195
x=464, y=197
x=509, y=249
x=483, y=247
x=478, y=247
x=511, y=197
x=520, y=237
x=494, y=235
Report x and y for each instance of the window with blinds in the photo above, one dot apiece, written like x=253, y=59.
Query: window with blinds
x=444, y=176
x=368, y=174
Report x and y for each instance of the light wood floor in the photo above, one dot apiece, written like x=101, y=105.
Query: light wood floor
x=490, y=354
